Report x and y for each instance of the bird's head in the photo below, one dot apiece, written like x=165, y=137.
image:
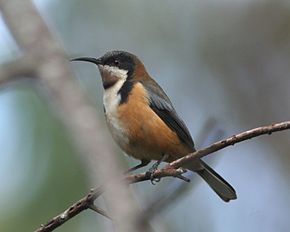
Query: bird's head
x=117, y=66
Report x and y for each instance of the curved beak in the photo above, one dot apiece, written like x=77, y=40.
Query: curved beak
x=88, y=59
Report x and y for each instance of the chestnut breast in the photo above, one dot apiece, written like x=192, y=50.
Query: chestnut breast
x=144, y=134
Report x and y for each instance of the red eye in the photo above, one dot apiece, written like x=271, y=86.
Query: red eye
x=116, y=62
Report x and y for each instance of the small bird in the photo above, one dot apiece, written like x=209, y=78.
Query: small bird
x=143, y=121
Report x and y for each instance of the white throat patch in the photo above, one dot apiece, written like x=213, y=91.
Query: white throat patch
x=114, y=71
x=111, y=97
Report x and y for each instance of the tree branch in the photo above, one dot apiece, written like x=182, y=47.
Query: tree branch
x=17, y=69
x=83, y=204
x=231, y=141
x=171, y=169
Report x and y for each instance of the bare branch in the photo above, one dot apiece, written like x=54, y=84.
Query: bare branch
x=169, y=170
x=231, y=141
x=17, y=69
x=172, y=169
x=72, y=211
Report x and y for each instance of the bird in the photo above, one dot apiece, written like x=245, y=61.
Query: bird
x=143, y=121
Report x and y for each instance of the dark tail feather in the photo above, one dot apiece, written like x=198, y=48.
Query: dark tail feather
x=217, y=183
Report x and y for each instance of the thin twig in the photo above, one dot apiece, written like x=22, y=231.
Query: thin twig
x=99, y=211
x=169, y=170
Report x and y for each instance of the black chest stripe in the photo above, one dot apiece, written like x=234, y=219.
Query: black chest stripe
x=125, y=90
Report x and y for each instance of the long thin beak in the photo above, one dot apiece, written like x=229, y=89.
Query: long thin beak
x=88, y=59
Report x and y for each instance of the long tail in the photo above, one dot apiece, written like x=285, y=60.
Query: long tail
x=217, y=183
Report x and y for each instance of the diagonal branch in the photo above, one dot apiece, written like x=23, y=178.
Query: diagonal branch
x=232, y=141
x=169, y=170
x=81, y=205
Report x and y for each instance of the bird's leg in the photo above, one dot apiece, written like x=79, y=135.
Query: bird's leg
x=154, y=168
x=142, y=164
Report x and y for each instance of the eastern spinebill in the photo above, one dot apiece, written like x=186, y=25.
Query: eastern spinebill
x=143, y=121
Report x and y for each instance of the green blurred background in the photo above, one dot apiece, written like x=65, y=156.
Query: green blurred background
x=224, y=60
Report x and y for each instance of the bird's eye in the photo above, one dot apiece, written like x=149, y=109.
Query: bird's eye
x=116, y=62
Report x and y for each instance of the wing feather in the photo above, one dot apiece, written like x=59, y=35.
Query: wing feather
x=162, y=106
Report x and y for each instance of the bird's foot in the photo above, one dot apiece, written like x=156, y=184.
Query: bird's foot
x=153, y=179
x=151, y=173
x=153, y=169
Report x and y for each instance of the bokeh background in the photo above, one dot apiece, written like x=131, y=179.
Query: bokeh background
x=225, y=61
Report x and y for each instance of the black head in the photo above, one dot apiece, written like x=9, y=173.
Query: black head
x=118, y=66
x=119, y=59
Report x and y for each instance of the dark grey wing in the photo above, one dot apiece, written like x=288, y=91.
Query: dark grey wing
x=162, y=106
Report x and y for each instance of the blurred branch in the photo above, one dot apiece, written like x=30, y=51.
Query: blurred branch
x=80, y=118
x=17, y=69
x=169, y=169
